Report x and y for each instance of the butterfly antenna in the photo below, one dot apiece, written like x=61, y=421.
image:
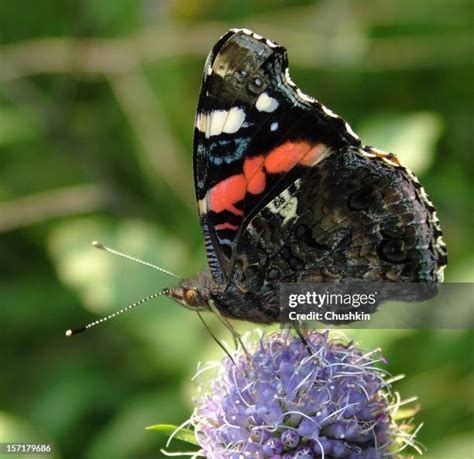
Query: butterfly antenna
x=103, y=247
x=75, y=331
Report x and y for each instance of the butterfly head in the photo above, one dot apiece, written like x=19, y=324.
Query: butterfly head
x=192, y=293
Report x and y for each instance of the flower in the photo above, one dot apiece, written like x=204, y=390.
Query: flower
x=286, y=399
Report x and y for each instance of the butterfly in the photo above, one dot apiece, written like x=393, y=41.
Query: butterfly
x=286, y=192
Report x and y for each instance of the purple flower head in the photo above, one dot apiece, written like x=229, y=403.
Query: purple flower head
x=287, y=402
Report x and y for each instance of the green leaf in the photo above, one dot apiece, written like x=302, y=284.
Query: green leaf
x=185, y=435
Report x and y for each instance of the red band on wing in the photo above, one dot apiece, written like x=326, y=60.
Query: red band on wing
x=226, y=225
x=224, y=195
x=288, y=155
x=254, y=174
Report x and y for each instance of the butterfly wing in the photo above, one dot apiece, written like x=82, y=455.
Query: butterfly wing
x=358, y=214
x=255, y=135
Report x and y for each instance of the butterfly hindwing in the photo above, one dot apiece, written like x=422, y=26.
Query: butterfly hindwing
x=349, y=217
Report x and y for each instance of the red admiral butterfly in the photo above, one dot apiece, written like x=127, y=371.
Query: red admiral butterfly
x=287, y=192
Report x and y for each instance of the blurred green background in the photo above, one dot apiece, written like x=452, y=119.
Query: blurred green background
x=97, y=102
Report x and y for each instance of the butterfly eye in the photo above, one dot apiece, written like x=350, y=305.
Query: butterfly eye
x=191, y=296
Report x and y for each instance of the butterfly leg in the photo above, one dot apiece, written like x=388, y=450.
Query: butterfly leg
x=302, y=331
x=214, y=337
x=235, y=334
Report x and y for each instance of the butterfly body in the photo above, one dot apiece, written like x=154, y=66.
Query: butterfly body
x=286, y=192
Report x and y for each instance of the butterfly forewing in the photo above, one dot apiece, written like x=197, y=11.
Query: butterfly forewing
x=254, y=136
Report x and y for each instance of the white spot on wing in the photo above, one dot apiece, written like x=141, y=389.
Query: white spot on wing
x=304, y=96
x=243, y=30
x=329, y=112
x=201, y=122
x=289, y=210
x=202, y=206
x=219, y=121
x=265, y=103
x=351, y=132
x=285, y=204
x=255, y=35
x=274, y=126
x=234, y=121
x=271, y=43
x=215, y=124
x=288, y=78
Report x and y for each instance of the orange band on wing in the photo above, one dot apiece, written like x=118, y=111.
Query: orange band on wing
x=224, y=195
x=288, y=155
x=254, y=174
x=226, y=225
